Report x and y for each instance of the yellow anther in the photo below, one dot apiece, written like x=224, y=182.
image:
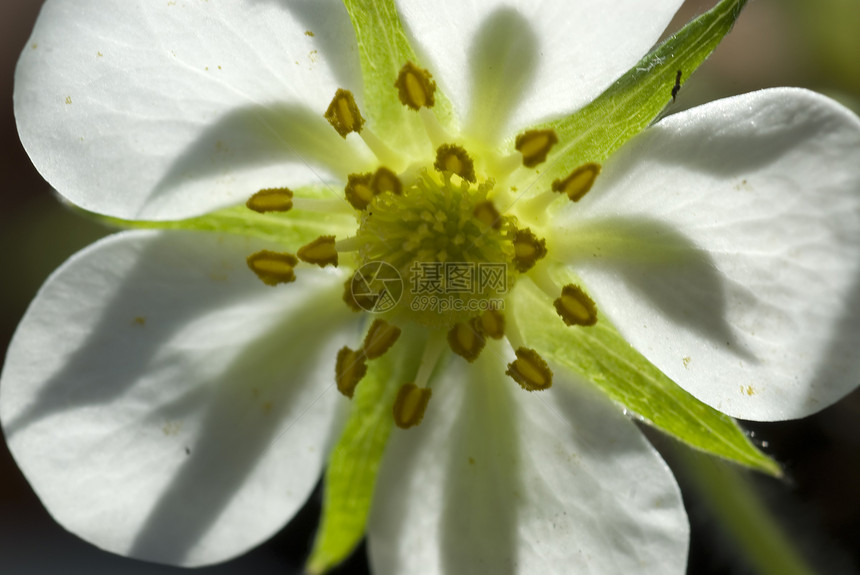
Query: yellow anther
x=492, y=323
x=577, y=184
x=271, y=200
x=356, y=302
x=349, y=368
x=534, y=145
x=467, y=340
x=530, y=370
x=343, y=113
x=359, y=191
x=528, y=249
x=380, y=338
x=410, y=405
x=415, y=87
x=321, y=252
x=454, y=159
x=384, y=180
x=575, y=307
x=487, y=213
x=273, y=268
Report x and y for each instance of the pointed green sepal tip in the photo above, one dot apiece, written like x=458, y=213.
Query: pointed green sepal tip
x=636, y=99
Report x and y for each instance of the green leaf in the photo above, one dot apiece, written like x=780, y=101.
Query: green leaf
x=601, y=355
x=383, y=49
x=353, y=465
x=290, y=229
x=632, y=103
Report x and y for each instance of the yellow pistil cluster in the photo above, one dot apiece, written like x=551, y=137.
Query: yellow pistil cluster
x=432, y=230
x=432, y=236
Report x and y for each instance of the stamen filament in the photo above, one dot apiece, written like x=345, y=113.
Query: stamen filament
x=512, y=330
x=351, y=244
x=541, y=278
x=325, y=206
x=435, y=132
x=506, y=165
x=382, y=151
x=535, y=208
x=430, y=358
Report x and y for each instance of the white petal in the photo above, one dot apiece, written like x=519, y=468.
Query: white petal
x=499, y=480
x=566, y=53
x=164, y=403
x=730, y=244
x=162, y=110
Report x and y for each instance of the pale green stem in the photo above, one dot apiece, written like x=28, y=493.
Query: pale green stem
x=733, y=501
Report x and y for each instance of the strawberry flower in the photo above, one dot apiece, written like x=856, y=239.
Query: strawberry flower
x=448, y=214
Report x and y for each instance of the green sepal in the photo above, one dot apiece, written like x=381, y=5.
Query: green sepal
x=602, y=356
x=289, y=229
x=635, y=100
x=354, y=463
x=383, y=49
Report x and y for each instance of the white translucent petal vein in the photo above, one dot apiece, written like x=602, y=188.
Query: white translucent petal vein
x=499, y=480
x=164, y=403
x=724, y=243
x=567, y=52
x=164, y=110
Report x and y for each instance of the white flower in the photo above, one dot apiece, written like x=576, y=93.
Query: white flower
x=167, y=405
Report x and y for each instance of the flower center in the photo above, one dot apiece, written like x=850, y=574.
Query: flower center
x=432, y=248
x=452, y=249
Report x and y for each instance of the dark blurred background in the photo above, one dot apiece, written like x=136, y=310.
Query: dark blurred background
x=775, y=43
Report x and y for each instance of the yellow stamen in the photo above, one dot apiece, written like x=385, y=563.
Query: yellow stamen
x=356, y=303
x=410, y=405
x=384, y=180
x=358, y=190
x=321, y=252
x=454, y=159
x=528, y=249
x=534, y=145
x=343, y=113
x=575, y=307
x=271, y=200
x=415, y=87
x=467, y=340
x=380, y=338
x=487, y=213
x=273, y=268
x=530, y=370
x=493, y=323
x=350, y=367
x=577, y=184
